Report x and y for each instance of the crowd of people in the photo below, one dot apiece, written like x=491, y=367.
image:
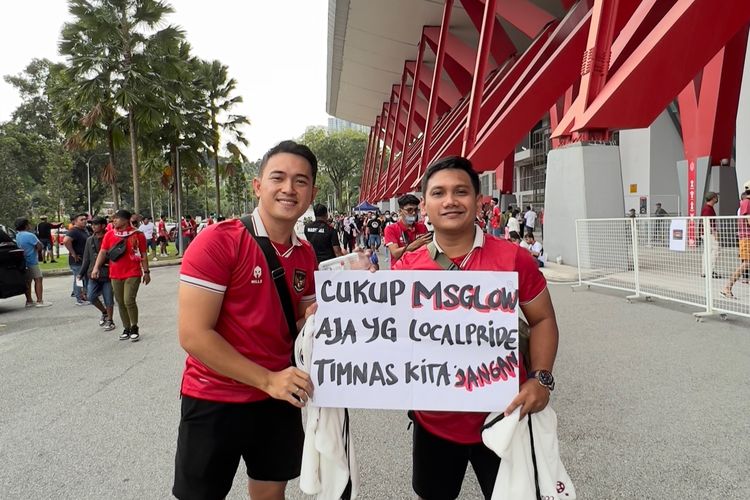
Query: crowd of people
x=108, y=258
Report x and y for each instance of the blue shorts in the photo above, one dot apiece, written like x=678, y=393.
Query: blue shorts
x=103, y=288
x=373, y=240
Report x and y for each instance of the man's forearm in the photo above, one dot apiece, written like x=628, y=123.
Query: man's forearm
x=543, y=344
x=396, y=252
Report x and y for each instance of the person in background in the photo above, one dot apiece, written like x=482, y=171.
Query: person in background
x=529, y=218
x=162, y=236
x=408, y=234
x=322, y=236
x=514, y=238
x=44, y=233
x=712, y=231
x=148, y=229
x=75, y=242
x=126, y=272
x=102, y=285
x=743, y=232
x=496, y=218
x=30, y=244
x=534, y=248
x=513, y=224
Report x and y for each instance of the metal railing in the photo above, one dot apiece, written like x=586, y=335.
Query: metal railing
x=693, y=261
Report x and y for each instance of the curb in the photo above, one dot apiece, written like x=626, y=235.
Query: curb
x=66, y=272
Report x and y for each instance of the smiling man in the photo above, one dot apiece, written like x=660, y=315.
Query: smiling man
x=445, y=442
x=240, y=396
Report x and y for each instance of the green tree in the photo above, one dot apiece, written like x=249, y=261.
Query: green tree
x=110, y=46
x=219, y=95
x=340, y=157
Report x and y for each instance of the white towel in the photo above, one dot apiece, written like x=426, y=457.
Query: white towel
x=326, y=465
x=509, y=439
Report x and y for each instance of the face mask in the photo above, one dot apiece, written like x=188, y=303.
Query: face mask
x=411, y=219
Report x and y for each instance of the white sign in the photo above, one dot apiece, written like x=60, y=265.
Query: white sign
x=421, y=340
x=678, y=235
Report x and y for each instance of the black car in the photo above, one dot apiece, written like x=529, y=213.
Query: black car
x=12, y=267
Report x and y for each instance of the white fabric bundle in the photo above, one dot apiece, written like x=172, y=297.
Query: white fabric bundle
x=328, y=460
x=509, y=439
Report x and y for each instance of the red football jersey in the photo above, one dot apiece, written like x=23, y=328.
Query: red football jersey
x=224, y=258
x=129, y=264
x=401, y=235
x=488, y=254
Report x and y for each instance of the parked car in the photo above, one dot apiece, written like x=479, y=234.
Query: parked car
x=12, y=267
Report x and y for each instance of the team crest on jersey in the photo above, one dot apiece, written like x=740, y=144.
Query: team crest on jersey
x=300, y=280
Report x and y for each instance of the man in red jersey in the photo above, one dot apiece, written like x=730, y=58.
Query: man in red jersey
x=408, y=234
x=445, y=442
x=240, y=396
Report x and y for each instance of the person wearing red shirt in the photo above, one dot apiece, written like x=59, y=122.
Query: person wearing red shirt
x=125, y=272
x=445, y=442
x=408, y=234
x=162, y=236
x=240, y=396
x=709, y=211
x=743, y=233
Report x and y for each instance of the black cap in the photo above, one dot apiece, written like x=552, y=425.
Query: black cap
x=99, y=220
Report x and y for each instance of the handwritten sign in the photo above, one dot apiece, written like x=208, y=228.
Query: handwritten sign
x=423, y=340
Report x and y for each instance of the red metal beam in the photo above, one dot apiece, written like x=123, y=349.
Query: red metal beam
x=459, y=58
x=501, y=47
x=553, y=70
x=366, y=165
x=525, y=16
x=633, y=98
x=480, y=69
x=449, y=94
x=436, y=84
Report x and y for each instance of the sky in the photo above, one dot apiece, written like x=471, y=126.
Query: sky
x=276, y=50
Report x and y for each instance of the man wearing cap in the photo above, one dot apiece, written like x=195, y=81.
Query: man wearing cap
x=102, y=285
x=743, y=232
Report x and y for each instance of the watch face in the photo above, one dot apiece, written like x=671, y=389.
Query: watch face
x=546, y=379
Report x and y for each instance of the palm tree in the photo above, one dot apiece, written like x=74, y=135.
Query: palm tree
x=219, y=90
x=112, y=44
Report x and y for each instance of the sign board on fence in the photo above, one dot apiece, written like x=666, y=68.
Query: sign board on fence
x=423, y=340
x=677, y=235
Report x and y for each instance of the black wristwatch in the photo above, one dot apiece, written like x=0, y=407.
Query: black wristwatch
x=545, y=378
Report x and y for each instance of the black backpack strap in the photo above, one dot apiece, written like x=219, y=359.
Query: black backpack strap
x=278, y=274
x=439, y=257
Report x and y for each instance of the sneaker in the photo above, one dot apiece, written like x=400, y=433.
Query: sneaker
x=82, y=302
x=155, y=259
x=43, y=304
x=52, y=261
x=109, y=325
x=125, y=335
x=134, y=335
x=103, y=320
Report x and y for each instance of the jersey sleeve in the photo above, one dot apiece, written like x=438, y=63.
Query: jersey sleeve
x=531, y=281
x=390, y=235
x=209, y=260
x=142, y=243
x=334, y=236
x=108, y=241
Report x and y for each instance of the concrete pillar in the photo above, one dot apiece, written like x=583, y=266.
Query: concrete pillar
x=584, y=181
x=743, y=127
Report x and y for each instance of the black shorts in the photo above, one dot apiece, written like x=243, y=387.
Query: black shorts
x=213, y=436
x=439, y=465
x=162, y=239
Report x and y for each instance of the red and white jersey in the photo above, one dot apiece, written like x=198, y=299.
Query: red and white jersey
x=400, y=234
x=488, y=254
x=225, y=259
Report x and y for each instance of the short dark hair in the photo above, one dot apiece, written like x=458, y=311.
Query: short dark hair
x=21, y=223
x=123, y=214
x=79, y=214
x=407, y=199
x=294, y=148
x=320, y=210
x=453, y=163
x=495, y=200
x=528, y=234
x=513, y=235
x=99, y=220
x=711, y=195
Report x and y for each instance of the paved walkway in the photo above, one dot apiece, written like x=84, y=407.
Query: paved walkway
x=651, y=404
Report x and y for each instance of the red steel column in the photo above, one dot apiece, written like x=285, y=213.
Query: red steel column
x=375, y=174
x=366, y=166
x=480, y=69
x=435, y=89
x=401, y=92
x=386, y=139
x=412, y=108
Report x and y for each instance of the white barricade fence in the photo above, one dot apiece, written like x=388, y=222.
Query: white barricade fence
x=694, y=261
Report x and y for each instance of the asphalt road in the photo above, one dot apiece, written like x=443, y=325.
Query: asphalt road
x=650, y=403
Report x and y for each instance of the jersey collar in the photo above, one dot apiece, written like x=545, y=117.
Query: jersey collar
x=478, y=240
x=260, y=229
